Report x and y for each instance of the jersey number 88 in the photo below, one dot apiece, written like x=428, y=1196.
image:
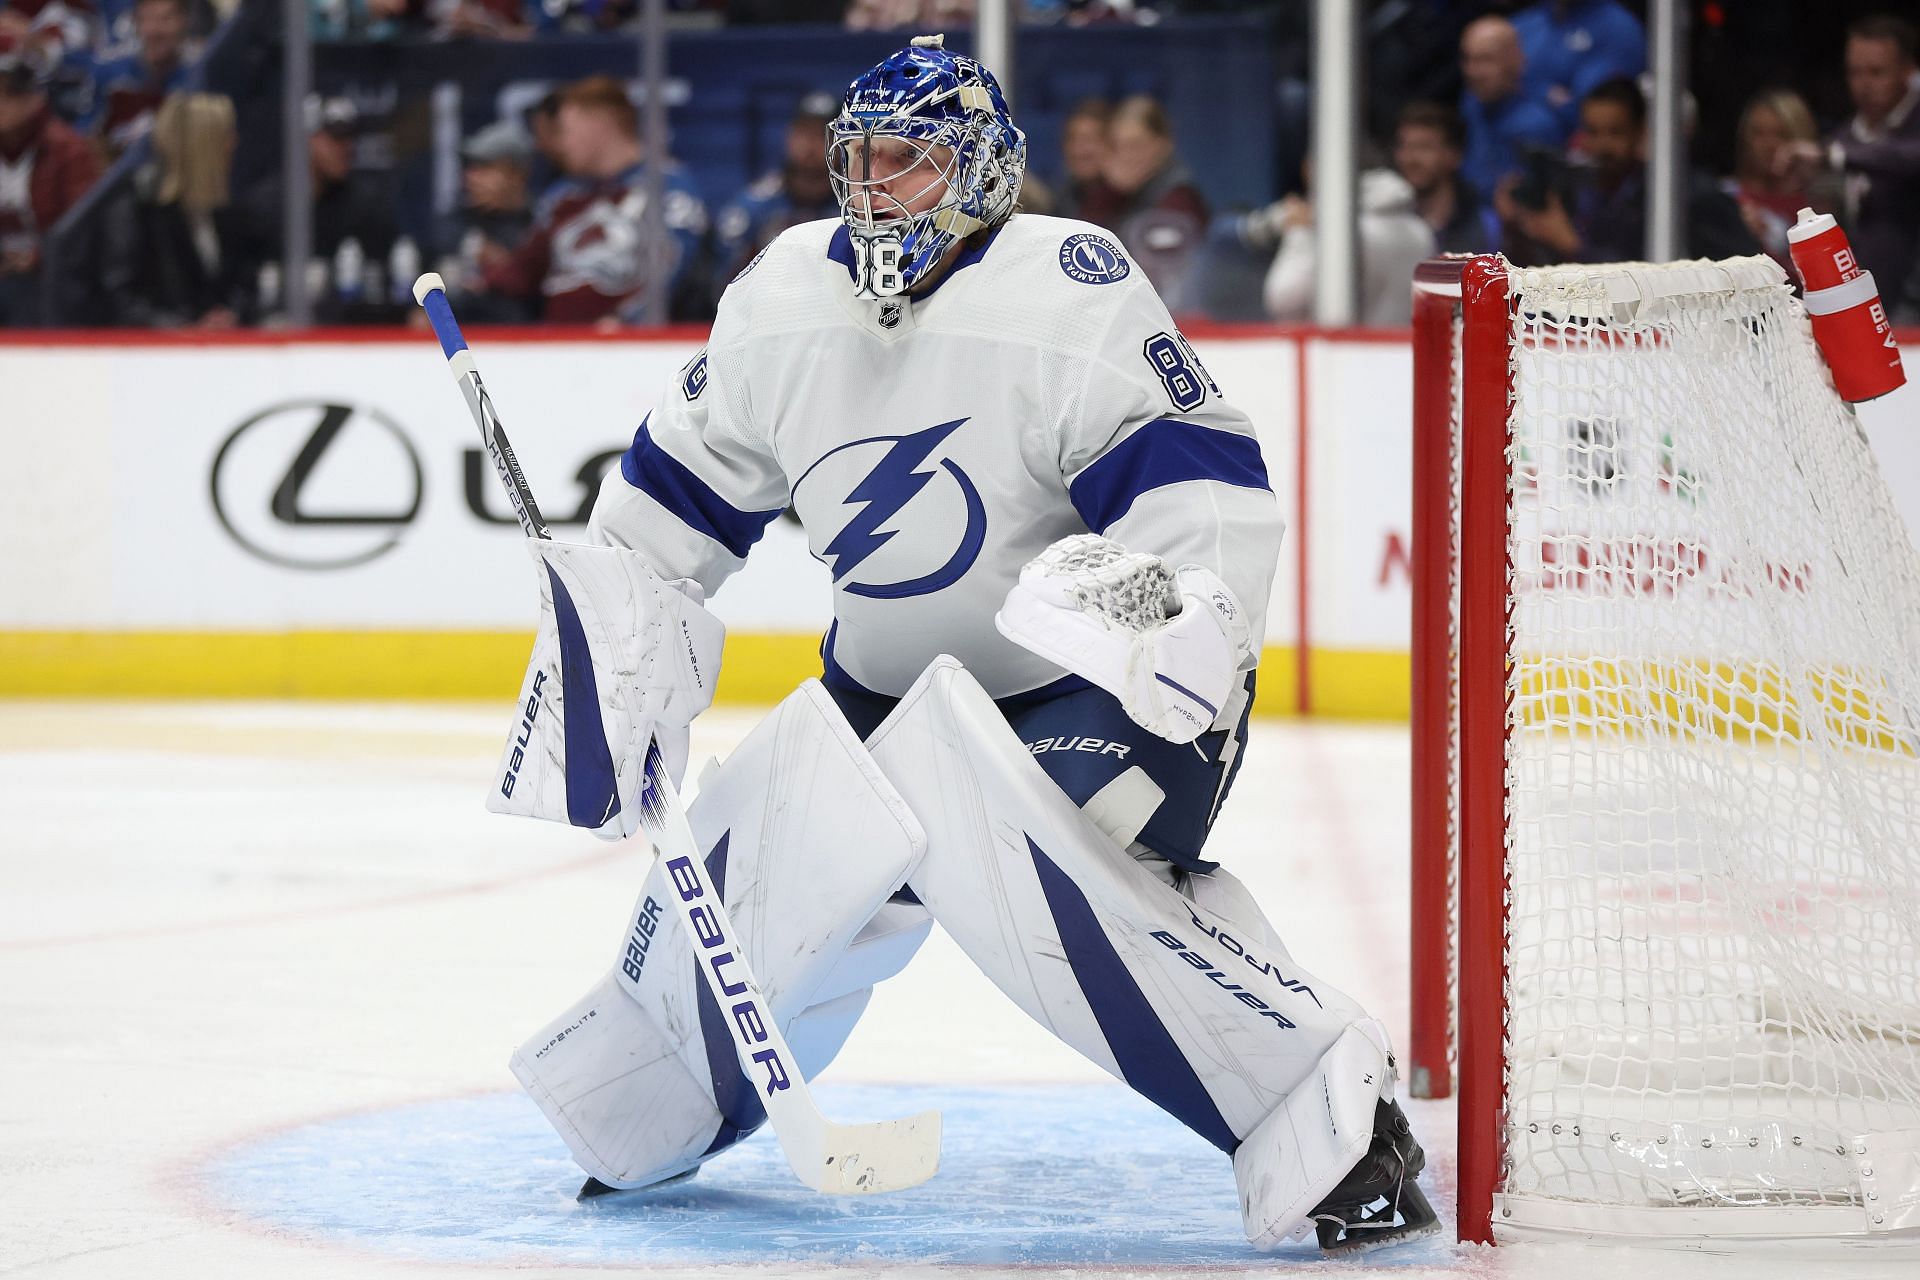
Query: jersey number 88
x=1179, y=370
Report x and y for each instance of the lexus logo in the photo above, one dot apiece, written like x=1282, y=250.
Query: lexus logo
x=311, y=484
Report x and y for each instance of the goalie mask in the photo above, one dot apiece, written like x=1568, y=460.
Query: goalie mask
x=923, y=154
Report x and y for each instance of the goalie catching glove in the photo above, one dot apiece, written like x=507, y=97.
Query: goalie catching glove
x=622, y=658
x=1169, y=645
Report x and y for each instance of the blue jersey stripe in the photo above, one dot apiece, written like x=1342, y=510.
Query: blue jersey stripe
x=1163, y=452
x=662, y=477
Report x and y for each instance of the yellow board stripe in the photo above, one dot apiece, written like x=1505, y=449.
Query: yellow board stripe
x=1360, y=684
x=265, y=664
x=757, y=669
x=1741, y=704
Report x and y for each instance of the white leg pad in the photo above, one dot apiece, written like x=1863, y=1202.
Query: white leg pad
x=881, y=949
x=1214, y=1026
x=817, y=1035
x=808, y=840
x=1222, y=893
x=616, y=1090
x=1297, y=1155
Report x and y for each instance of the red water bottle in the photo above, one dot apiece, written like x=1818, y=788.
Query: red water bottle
x=1850, y=323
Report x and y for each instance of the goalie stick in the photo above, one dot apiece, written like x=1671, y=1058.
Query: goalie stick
x=840, y=1159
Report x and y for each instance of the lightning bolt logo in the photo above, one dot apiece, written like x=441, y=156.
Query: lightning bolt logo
x=896, y=480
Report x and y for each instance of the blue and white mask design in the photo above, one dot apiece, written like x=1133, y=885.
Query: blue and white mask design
x=923, y=153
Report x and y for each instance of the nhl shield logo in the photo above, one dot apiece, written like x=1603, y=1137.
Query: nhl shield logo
x=1092, y=259
x=889, y=315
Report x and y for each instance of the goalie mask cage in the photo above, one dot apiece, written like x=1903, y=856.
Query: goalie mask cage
x=1666, y=766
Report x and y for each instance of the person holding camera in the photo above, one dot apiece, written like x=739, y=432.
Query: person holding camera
x=1597, y=211
x=1874, y=157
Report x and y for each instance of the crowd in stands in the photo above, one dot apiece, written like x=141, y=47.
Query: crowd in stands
x=1533, y=144
x=80, y=85
x=531, y=19
x=1543, y=158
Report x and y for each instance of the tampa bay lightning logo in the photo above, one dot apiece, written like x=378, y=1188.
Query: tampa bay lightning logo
x=892, y=495
x=1092, y=259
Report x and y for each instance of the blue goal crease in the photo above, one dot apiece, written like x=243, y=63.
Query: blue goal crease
x=1033, y=1175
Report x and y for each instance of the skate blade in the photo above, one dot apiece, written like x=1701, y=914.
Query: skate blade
x=1365, y=1240
x=594, y=1189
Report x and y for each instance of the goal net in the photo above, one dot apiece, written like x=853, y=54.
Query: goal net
x=1667, y=762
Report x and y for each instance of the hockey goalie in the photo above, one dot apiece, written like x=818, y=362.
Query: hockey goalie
x=1051, y=541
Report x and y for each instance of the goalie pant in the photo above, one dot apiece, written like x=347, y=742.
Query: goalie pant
x=1164, y=795
x=1189, y=998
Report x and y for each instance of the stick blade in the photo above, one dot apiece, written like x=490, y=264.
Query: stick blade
x=868, y=1159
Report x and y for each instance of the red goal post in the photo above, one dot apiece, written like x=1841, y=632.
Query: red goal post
x=1455, y=342
x=1666, y=764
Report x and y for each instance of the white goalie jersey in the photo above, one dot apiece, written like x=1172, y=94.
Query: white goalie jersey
x=931, y=446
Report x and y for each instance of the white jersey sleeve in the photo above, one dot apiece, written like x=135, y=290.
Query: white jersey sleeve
x=698, y=486
x=1157, y=460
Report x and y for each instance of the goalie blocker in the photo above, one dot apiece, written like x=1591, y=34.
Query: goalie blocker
x=620, y=658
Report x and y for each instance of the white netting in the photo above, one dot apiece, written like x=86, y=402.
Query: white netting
x=1714, y=753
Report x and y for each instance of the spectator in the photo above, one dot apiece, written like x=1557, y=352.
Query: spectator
x=45, y=168
x=127, y=91
x=586, y=257
x=1428, y=147
x=352, y=214
x=1764, y=184
x=1608, y=220
x=1149, y=199
x=495, y=209
x=47, y=30
x=493, y=183
x=1394, y=239
x=921, y=15
x=798, y=191
x=1501, y=120
x=168, y=256
x=1878, y=153
x=115, y=36
x=1572, y=45
x=1083, y=155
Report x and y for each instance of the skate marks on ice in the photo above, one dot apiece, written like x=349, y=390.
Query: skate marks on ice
x=1030, y=1176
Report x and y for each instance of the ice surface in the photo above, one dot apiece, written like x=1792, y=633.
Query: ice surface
x=261, y=966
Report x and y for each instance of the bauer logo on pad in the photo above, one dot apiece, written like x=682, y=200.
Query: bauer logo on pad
x=1092, y=259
